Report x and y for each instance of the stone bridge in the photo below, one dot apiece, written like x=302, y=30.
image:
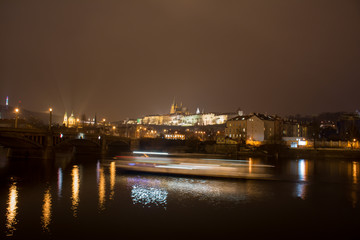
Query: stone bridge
x=28, y=142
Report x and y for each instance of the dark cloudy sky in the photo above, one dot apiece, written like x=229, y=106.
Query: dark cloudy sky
x=130, y=58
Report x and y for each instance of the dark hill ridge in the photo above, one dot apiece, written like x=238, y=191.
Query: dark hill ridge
x=8, y=112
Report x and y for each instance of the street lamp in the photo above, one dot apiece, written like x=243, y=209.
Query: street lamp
x=16, y=117
x=50, y=117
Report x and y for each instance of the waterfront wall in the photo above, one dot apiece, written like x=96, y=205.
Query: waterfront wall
x=335, y=144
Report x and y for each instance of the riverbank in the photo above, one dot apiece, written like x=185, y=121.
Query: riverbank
x=320, y=153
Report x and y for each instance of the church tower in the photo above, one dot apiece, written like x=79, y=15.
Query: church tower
x=173, y=107
x=65, y=122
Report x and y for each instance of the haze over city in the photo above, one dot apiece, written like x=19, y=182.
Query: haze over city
x=179, y=119
x=124, y=59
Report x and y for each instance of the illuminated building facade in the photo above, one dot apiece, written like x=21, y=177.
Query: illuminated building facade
x=261, y=127
x=243, y=128
x=69, y=121
x=179, y=116
x=72, y=121
x=175, y=136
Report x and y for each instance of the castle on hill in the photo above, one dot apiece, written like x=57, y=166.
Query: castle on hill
x=180, y=116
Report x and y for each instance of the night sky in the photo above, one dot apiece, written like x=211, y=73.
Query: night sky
x=124, y=59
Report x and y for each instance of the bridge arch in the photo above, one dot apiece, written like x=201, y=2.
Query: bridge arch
x=15, y=141
x=78, y=143
x=118, y=147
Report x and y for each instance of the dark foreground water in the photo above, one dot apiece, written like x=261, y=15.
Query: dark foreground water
x=86, y=197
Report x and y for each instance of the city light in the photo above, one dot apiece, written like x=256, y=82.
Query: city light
x=16, y=117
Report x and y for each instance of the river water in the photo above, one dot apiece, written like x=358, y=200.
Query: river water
x=86, y=197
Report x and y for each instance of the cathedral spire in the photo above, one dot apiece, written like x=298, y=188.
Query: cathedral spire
x=173, y=107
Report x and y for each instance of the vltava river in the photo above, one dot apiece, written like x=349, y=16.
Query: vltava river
x=86, y=197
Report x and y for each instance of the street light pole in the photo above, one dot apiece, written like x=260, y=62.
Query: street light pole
x=16, y=117
x=50, y=118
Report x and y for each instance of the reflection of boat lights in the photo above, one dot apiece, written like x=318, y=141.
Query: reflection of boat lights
x=112, y=179
x=187, y=185
x=75, y=189
x=60, y=181
x=46, y=210
x=101, y=188
x=12, y=210
x=216, y=190
x=148, y=196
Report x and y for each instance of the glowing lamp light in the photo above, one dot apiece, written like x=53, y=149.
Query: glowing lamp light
x=302, y=142
x=16, y=110
x=50, y=109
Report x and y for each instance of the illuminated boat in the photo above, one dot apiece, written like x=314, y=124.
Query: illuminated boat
x=224, y=168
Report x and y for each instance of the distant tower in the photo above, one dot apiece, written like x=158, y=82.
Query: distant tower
x=7, y=102
x=71, y=120
x=173, y=107
x=197, y=111
x=65, y=122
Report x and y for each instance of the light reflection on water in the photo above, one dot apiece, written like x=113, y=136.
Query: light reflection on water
x=12, y=209
x=60, y=182
x=101, y=189
x=355, y=172
x=303, y=171
x=355, y=176
x=303, y=168
x=75, y=190
x=153, y=191
x=112, y=179
x=171, y=192
x=149, y=196
x=46, y=210
x=147, y=192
